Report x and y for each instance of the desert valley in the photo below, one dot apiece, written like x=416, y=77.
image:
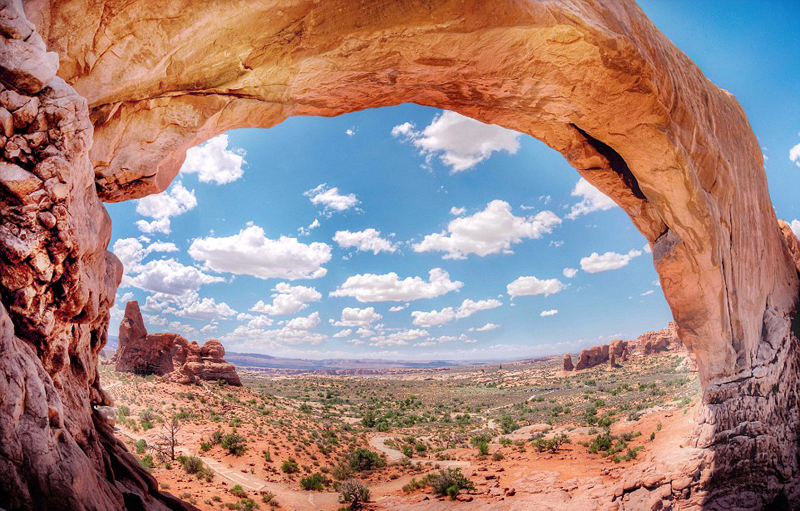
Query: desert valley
x=505, y=435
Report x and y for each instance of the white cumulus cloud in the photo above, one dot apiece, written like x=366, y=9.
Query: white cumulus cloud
x=448, y=314
x=485, y=328
x=132, y=251
x=551, y=312
x=794, y=155
x=214, y=163
x=458, y=141
x=170, y=277
x=330, y=198
x=206, y=309
x=389, y=287
x=162, y=206
x=596, y=263
x=368, y=240
x=251, y=253
x=489, y=231
x=353, y=316
x=287, y=299
x=570, y=272
x=592, y=200
x=531, y=286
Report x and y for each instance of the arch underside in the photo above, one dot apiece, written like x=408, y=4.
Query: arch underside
x=595, y=80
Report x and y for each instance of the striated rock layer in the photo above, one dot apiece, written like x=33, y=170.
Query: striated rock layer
x=168, y=354
x=162, y=77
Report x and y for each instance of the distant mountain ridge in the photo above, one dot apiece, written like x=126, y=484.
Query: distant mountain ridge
x=270, y=362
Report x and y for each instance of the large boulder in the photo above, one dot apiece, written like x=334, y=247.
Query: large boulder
x=567, y=363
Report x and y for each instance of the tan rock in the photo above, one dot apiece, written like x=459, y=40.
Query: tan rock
x=567, y=364
x=594, y=80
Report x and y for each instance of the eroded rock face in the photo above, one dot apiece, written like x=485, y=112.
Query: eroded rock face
x=567, y=364
x=659, y=341
x=592, y=357
x=57, y=283
x=158, y=82
x=168, y=354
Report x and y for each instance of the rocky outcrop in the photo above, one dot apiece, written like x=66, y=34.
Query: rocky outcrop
x=618, y=349
x=791, y=242
x=57, y=284
x=683, y=162
x=659, y=341
x=139, y=352
x=195, y=363
x=592, y=357
x=567, y=364
x=168, y=354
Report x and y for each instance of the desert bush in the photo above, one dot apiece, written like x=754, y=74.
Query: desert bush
x=449, y=483
x=354, y=492
x=238, y=491
x=147, y=462
x=191, y=464
x=315, y=482
x=140, y=445
x=290, y=466
x=234, y=443
x=363, y=459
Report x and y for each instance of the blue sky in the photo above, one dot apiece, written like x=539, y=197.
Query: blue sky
x=411, y=233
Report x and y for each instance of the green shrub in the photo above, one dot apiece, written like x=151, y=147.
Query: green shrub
x=314, y=482
x=363, y=459
x=147, y=462
x=290, y=466
x=205, y=446
x=238, y=491
x=234, y=443
x=600, y=443
x=191, y=464
x=508, y=424
x=247, y=505
x=483, y=448
x=140, y=446
x=449, y=483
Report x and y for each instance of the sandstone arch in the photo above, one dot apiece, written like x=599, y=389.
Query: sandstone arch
x=595, y=80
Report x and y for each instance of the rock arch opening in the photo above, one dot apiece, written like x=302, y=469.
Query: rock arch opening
x=150, y=87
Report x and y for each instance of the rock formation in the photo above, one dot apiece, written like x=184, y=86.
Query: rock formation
x=57, y=283
x=567, y=366
x=618, y=349
x=682, y=162
x=169, y=354
x=791, y=242
x=659, y=341
x=592, y=357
